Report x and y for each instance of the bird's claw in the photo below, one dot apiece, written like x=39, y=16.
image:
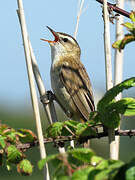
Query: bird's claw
x=47, y=97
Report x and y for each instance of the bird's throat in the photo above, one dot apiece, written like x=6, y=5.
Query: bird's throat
x=58, y=52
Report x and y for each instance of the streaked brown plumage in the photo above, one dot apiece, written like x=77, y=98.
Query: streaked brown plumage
x=69, y=79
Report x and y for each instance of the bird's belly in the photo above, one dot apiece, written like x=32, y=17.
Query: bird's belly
x=62, y=94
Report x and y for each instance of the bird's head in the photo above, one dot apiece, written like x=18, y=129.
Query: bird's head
x=63, y=44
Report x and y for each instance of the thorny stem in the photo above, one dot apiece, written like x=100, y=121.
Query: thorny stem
x=25, y=146
x=116, y=9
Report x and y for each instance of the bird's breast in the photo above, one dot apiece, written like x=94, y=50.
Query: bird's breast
x=60, y=90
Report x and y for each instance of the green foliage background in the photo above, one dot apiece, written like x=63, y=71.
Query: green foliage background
x=21, y=117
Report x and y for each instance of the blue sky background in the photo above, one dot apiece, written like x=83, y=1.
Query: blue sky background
x=61, y=16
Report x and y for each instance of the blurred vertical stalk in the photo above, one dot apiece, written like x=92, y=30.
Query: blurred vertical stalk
x=78, y=18
x=32, y=85
x=107, y=47
x=108, y=67
x=133, y=4
x=118, y=66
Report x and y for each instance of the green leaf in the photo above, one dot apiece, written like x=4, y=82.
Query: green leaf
x=81, y=127
x=84, y=129
x=13, y=154
x=103, y=164
x=62, y=177
x=3, y=127
x=8, y=165
x=96, y=160
x=25, y=167
x=129, y=26
x=125, y=106
x=106, y=169
x=71, y=123
x=9, y=133
x=120, y=44
x=113, y=92
x=11, y=136
x=94, y=118
x=104, y=175
x=110, y=119
x=130, y=170
x=82, y=154
x=55, y=129
x=132, y=16
x=42, y=162
x=2, y=141
x=28, y=135
x=117, y=45
x=130, y=173
x=109, y=110
x=112, y=164
x=82, y=174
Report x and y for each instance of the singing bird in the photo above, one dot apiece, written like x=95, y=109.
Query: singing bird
x=69, y=79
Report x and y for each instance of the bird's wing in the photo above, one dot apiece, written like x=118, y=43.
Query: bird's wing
x=76, y=81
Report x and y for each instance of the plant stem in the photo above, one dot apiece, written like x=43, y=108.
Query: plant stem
x=99, y=135
x=78, y=18
x=118, y=68
x=32, y=85
x=108, y=67
x=116, y=9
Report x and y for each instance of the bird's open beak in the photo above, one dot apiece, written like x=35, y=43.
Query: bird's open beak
x=54, y=34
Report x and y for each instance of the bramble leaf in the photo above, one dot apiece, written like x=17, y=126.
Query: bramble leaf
x=55, y=129
x=106, y=169
x=130, y=170
x=3, y=127
x=130, y=173
x=125, y=106
x=120, y=44
x=96, y=160
x=42, y=162
x=27, y=135
x=82, y=174
x=132, y=16
x=113, y=92
x=25, y=167
x=82, y=154
x=84, y=129
x=13, y=154
x=129, y=26
x=71, y=123
x=2, y=141
x=109, y=110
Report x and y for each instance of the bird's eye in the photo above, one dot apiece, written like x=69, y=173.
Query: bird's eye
x=65, y=39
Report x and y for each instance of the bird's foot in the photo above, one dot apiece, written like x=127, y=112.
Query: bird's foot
x=47, y=97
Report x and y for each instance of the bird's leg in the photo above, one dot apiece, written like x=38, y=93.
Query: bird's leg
x=47, y=97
